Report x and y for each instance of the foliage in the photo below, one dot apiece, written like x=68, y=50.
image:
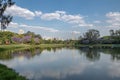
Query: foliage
x=9, y=74
x=6, y=36
x=5, y=19
x=90, y=36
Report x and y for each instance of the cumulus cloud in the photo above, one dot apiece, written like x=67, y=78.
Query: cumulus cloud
x=97, y=22
x=60, y=12
x=16, y=25
x=47, y=38
x=63, y=16
x=72, y=18
x=50, y=16
x=57, y=15
x=41, y=28
x=75, y=32
x=38, y=13
x=21, y=12
x=53, y=16
x=113, y=19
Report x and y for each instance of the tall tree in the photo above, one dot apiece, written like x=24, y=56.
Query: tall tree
x=112, y=33
x=92, y=35
x=5, y=19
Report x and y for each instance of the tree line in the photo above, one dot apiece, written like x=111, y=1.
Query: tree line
x=7, y=37
x=92, y=36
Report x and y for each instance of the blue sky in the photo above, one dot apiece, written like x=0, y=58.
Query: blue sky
x=64, y=19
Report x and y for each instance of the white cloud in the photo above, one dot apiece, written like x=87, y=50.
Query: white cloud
x=86, y=25
x=63, y=16
x=41, y=28
x=14, y=25
x=60, y=12
x=74, y=17
x=21, y=12
x=97, y=22
x=50, y=16
x=77, y=20
x=47, y=38
x=75, y=32
x=113, y=19
x=38, y=13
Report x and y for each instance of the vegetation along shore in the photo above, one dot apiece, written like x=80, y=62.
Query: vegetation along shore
x=9, y=74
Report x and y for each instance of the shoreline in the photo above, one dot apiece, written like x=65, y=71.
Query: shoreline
x=28, y=46
x=9, y=74
x=98, y=45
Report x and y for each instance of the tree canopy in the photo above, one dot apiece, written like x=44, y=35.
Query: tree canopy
x=5, y=19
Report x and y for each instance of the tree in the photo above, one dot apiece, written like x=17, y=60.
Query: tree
x=5, y=19
x=92, y=35
x=6, y=36
x=112, y=33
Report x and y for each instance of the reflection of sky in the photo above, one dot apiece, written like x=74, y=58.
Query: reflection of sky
x=63, y=64
x=114, y=69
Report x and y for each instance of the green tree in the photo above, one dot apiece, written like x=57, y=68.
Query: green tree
x=5, y=19
x=6, y=37
x=92, y=35
x=112, y=33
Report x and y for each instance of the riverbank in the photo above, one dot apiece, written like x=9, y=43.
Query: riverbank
x=99, y=45
x=9, y=74
x=26, y=46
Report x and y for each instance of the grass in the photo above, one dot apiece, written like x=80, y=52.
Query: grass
x=27, y=46
x=9, y=74
x=13, y=46
x=99, y=45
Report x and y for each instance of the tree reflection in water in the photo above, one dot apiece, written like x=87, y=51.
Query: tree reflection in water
x=93, y=54
x=27, y=53
x=115, y=53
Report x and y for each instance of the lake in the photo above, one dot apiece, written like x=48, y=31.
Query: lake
x=64, y=63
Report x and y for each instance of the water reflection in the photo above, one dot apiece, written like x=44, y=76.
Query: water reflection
x=115, y=53
x=90, y=53
x=65, y=63
x=27, y=53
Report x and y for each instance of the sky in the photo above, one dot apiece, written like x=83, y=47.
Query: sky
x=64, y=19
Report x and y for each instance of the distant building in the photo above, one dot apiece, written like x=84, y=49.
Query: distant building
x=21, y=31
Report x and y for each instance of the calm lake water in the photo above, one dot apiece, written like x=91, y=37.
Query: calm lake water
x=64, y=63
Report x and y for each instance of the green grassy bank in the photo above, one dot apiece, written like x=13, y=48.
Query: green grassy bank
x=9, y=74
x=99, y=45
x=26, y=46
